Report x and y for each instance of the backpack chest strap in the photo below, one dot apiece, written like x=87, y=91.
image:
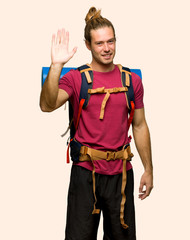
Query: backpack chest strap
x=107, y=92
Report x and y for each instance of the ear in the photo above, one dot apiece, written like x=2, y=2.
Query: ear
x=88, y=45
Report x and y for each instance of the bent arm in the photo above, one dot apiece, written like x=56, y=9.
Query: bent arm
x=143, y=144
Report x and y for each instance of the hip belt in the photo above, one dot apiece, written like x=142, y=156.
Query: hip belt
x=89, y=154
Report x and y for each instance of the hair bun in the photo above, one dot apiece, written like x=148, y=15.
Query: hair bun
x=94, y=21
x=92, y=14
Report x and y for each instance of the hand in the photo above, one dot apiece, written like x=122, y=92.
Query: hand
x=59, y=48
x=147, y=182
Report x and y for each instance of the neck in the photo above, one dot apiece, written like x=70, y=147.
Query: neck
x=102, y=67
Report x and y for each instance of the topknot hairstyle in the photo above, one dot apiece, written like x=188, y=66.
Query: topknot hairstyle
x=94, y=20
x=92, y=14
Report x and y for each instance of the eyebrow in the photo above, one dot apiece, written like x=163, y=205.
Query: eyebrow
x=111, y=39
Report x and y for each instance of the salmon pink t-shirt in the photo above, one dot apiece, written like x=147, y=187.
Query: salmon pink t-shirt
x=110, y=133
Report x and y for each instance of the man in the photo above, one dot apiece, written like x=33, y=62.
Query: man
x=100, y=129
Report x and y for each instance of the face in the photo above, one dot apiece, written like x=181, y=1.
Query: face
x=102, y=46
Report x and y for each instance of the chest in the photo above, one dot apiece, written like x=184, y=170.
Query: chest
x=101, y=102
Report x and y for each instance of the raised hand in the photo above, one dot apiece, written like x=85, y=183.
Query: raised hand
x=60, y=53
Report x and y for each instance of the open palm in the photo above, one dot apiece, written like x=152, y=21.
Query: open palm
x=59, y=49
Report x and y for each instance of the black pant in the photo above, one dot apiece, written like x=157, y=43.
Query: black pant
x=81, y=224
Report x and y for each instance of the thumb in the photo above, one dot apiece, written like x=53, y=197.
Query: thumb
x=141, y=187
x=73, y=52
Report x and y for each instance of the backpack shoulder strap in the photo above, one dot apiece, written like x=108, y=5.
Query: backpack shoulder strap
x=87, y=83
x=126, y=80
x=87, y=79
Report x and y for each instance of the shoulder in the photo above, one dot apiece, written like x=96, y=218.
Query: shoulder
x=71, y=77
x=136, y=81
x=72, y=74
x=71, y=82
x=138, y=90
x=136, y=78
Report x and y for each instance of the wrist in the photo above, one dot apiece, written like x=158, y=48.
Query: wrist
x=149, y=170
x=57, y=65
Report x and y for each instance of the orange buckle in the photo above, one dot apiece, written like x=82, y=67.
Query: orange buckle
x=84, y=150
x=110, y=156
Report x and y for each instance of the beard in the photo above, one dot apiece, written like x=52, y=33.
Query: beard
x=103, y=59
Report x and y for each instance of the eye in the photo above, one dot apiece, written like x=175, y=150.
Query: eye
x=111, y=41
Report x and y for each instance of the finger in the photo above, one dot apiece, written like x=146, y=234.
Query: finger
x=67, y=39
x=144, y=196
x=145, y=193
x=53, y=39
x=141, y=193
x=73, y=52
x=62, y=35
x=149, y=189
x=58, y=37
x=141, y=187
x=141, y=196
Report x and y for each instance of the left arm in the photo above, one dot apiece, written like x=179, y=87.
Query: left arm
x=143, y=144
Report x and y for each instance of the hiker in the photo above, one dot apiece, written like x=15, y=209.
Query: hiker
x=98, y=93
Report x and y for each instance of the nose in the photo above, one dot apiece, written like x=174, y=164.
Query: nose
x=106, y=47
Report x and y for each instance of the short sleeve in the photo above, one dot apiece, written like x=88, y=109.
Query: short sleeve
x=66, y=83
x=138, y=91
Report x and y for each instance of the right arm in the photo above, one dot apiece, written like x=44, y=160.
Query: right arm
x=51, y=96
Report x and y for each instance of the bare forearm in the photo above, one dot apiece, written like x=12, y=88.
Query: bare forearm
x=143, y=145
x=50, y=88
x=142, y=141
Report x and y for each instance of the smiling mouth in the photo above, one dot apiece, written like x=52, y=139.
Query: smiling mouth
x=107, y=55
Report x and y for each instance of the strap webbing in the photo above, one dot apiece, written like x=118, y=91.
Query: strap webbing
x=131, y=114
x=89, y=154
x=88, y=77
x=108, y=92
x=76, y=126
x=79, y=112
x=95, y=210
x=123, y=200
x=104, y=105
x=68, y=159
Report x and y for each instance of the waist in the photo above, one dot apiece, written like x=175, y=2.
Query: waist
x=105, y=168
x=90, y=154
